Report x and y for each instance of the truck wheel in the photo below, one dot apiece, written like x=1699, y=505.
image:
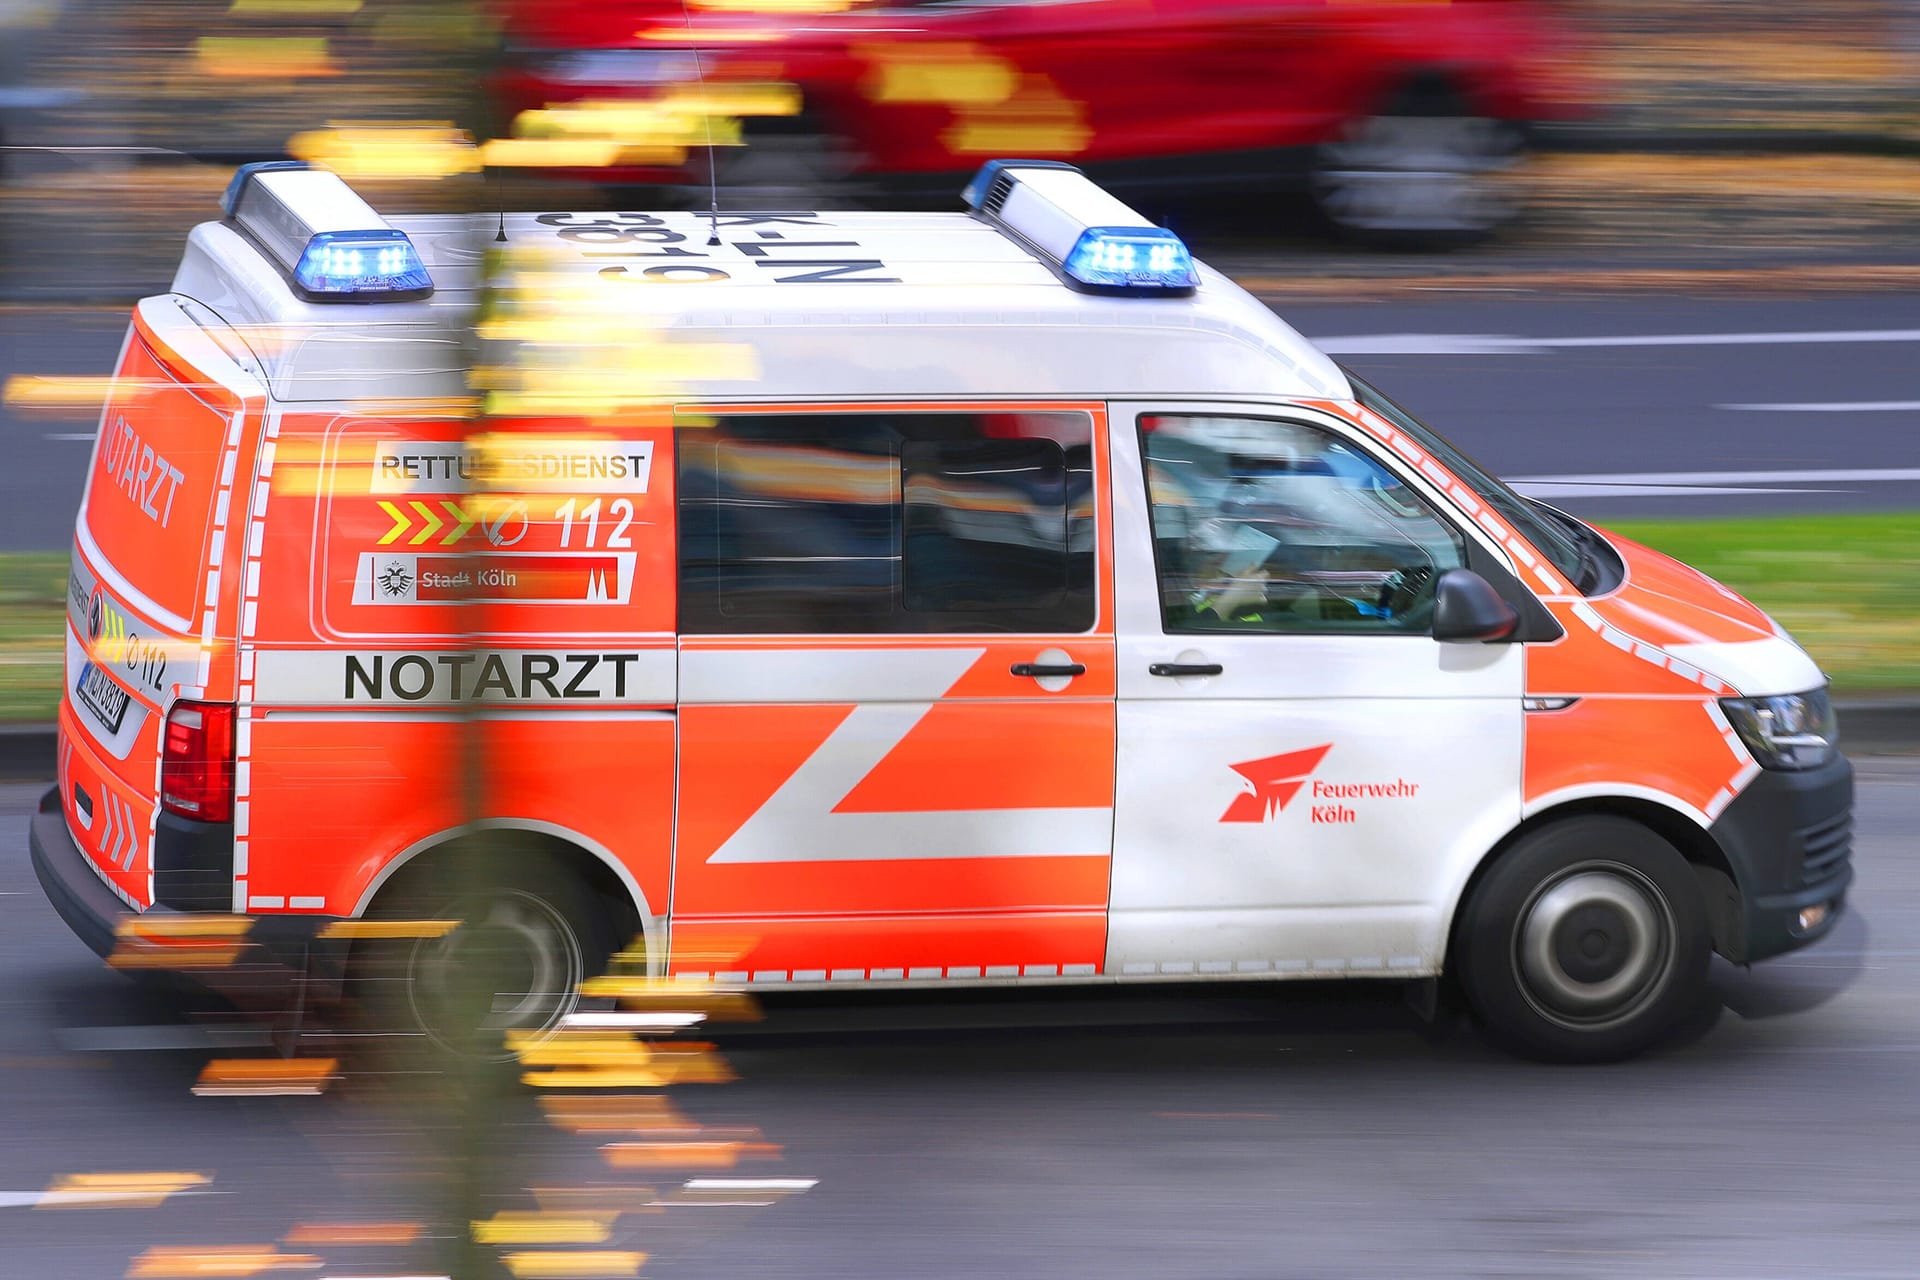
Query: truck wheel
x=1586, y=942
x=1423, y=172
x=514, y=964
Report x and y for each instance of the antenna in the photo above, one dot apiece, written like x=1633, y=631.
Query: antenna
x=713, y=164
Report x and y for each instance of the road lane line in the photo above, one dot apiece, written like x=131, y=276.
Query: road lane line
x=1832, y=406
x=1791, y=478
x=1494, y=344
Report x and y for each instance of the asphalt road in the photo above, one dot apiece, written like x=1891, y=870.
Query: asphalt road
x=1257, y=1133
x=1613, y=406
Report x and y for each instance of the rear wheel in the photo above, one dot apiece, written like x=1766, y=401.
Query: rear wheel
x=1423, y=172
x=1586, y=942
x=514, y=963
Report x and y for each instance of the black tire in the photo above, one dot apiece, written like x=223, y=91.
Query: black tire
x=544, y=932
x=1586, y=942
x=1424, y=171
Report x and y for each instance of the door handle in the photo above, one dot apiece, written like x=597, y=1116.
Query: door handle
x=1185, y=669
x=1048, y=668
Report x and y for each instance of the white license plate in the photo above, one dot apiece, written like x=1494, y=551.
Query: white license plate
x=97, y=692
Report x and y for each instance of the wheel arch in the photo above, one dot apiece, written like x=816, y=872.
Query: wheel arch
x=601, y=869
x=1666, y=818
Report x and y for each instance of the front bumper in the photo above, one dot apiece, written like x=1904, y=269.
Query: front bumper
x=1789, y=840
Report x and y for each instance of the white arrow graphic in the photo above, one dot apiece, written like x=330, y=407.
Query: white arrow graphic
x=106, y=832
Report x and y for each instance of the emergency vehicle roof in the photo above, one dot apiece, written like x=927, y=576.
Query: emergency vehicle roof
x=842, y=305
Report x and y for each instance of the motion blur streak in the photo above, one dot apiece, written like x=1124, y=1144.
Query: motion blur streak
x=615, y=1113
x=117, y=1190
x=573, y=1266
x=543, y=1228
x=685, y=1155
x=218, y=1262
x=266, y=1077
x=353, y=1233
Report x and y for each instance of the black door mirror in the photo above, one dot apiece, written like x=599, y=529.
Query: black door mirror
x=1467, y=610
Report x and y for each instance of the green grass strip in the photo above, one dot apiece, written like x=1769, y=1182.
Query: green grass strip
x=1846, y=586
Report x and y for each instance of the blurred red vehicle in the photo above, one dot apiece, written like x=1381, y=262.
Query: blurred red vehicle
x=1399, y=118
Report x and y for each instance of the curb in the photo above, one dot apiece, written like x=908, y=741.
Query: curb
x=1876, y=727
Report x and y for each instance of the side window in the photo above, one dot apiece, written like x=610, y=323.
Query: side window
x=1268, y=526
x=883, y=523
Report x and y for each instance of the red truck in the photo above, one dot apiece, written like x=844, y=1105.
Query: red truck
x=1400, y=119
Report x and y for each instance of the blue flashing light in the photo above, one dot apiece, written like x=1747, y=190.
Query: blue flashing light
x=977, y=186
x=1132, y=259
x=347, y=264
x=245, y=172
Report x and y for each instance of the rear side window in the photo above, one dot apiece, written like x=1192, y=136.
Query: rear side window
x=886, y=523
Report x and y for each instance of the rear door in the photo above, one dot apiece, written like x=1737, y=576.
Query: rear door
x=1304, y=772
x=153, y=591
x=896, y=695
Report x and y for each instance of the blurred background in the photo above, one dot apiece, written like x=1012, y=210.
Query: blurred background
x=1655, y=259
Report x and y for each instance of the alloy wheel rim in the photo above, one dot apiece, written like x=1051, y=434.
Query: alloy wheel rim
x=1594, y=946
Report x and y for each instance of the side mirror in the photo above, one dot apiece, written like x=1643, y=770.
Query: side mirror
x=1467, y=610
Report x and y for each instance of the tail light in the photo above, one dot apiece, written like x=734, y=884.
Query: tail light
x=196, y=761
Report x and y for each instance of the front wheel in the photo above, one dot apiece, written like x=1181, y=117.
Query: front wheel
x=1587, y=942
x=1425, y=172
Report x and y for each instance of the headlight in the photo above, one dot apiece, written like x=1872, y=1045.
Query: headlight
x=1792, y=731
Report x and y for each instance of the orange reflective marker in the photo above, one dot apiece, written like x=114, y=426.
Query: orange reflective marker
x=216, y=1262
x=265, y=1077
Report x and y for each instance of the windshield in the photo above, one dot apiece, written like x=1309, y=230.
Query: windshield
x=1560, y=543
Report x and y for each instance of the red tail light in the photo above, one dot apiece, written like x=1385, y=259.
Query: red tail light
x=196, y=761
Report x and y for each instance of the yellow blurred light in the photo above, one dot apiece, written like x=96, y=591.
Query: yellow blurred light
x=754, y=98
x=578, y=1265
x=217, y=1262
x=425, y=150
x=264, y=57
x=1037, y=120
x=388, y=929
x=116, y=1190
x=708, y=35
x=80, y=395
x=946, y=74
x=512, y=153
x=420, y=407
x=544, y=1228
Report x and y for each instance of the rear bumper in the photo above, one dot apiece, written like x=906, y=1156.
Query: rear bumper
x=81, y=897
x=284, y=949
x=1789, y=840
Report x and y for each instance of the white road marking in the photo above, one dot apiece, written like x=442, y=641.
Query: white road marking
x=1793, y=478
x=75, y=436
x=1494, y=344
x=1831, y=406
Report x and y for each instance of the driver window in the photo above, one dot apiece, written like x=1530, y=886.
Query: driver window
x=1268, y=526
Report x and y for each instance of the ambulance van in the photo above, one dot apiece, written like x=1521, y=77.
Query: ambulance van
x=1028, y=606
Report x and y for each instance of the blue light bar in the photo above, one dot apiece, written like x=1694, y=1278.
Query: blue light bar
x=1133, y=259
x=246, y=172
x=338, y=264
x=975, y=192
